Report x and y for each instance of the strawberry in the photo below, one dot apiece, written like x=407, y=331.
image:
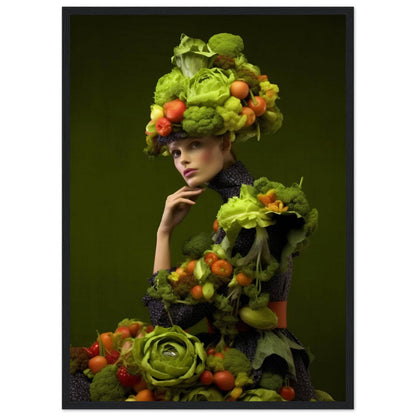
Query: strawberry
x=112, y=357
x=93, y=350
x=125, y=378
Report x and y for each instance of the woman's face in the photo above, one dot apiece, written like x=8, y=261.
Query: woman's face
x=198, y=160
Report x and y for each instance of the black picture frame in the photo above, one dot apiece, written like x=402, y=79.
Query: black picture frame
x=348, y=12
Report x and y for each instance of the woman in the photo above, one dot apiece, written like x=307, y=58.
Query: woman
x=211, y=110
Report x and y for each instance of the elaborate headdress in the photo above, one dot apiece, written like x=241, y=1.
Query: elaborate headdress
x=212, y=90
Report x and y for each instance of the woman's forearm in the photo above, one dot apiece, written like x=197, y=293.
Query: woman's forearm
x=162, y=252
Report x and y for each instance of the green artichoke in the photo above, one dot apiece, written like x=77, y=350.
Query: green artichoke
x=170, y=357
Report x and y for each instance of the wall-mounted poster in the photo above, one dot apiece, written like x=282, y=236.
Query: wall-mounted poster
x=207, y=208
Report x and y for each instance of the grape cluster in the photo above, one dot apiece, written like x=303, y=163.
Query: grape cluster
x=79, y=388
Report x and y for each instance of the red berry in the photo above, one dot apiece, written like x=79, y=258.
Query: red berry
x=125, y=378
x=149, y=328
x=112, y=357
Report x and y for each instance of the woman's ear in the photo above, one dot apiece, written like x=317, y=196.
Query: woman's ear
x=226, y=143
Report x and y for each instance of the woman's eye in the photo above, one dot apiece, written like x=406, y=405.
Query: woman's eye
x=196, y=145
x=176, y=153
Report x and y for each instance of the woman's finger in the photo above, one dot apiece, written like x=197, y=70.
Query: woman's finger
x=182, y=200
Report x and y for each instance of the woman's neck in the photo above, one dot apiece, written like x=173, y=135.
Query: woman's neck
x=229, y=180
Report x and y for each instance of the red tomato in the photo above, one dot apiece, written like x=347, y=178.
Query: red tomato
x=206, y=378
x=239, y=89
x=196, y=292
x=259, y=108
x=174, y=110
x=287, y=392
x=124, y=331
x=97, y=363
x=215, y=226
x=224, y=380
x=163, y=126
x=249, y=113
x=219, y=355
x=222, y=268
x=210, y=258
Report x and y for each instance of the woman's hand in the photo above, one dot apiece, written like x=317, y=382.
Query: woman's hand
x=177, y=207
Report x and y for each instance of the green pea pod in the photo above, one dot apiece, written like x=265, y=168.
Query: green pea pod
x=208, y=290
x=262, y=318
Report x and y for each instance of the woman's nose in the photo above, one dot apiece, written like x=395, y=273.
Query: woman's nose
x=184, y=159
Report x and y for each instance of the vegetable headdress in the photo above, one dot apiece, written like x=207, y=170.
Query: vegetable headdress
x=211, y=90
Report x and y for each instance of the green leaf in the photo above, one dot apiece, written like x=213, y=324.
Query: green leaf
x=268, y=344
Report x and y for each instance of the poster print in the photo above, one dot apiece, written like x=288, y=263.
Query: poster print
x=207, y=208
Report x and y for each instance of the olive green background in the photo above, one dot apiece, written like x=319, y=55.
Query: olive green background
x=117, y=195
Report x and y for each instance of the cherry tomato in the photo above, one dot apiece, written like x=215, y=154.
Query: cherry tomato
x=262, y=78
x=107, y=341
x=145, y=395
x=210, y=258
x=191, y=266
x=196, y=292
x=211, y=351
x=239, y=89
x=259, y=108
x=206, y=378
x=222, y=268
x=181, y=272
x=224, y=380
x=124, y=331
x=287, y=392
x=140, y=385
x=249, y=113
x=97, y=363
x=243, y=279
x=215, y=226
x=134, y=329
x=219, y=355
x=163, y=126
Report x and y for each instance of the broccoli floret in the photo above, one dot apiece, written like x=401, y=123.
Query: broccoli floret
x=106, y=387
x=195, y=245
x=226, y=44
x=230, y=112
x=271, y=121
x=293, y=196
x=78, y=359
x=271, y=381
x=260, y=301
x=201, y=121
x=236, y=362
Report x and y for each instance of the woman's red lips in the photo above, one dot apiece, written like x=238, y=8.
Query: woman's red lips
x=188, y=172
